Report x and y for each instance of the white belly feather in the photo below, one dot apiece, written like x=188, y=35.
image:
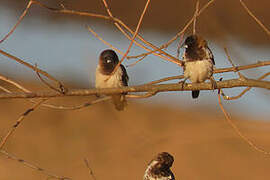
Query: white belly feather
x=198, y=71
x=114, y=81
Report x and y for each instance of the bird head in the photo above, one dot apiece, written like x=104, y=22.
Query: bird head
x=108, y=60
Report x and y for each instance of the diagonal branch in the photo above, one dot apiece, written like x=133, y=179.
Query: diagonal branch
x=133, y=37
x=255, y=18
x=32, y=166
x=61, y=86
x=237, y=130
x=18, y=122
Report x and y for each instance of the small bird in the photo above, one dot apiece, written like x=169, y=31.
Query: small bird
x=198, y=62
x=108, y=60
x=159, y=168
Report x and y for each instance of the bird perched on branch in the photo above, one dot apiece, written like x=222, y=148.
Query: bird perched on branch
x=159, y=168
x=198, y=62
x=108, y=60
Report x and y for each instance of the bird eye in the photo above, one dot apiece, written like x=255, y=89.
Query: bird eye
x=108, y=61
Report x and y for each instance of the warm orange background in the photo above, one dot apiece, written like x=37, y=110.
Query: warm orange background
x=120, y=144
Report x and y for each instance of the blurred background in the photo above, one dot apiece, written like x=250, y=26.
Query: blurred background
x=120, y=144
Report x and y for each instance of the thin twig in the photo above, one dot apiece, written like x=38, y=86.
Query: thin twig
x=179, y=45
x=18, y=22
x=46, y=83
x=255, y=18
x=196, y=16
x=118, y=23
x=18, y=122
x=179, y=34
x=133, y=37
x=237, y=130
x=230, y=60
x=102, y=40
x=89, y=169
x=244, y=91
x=139, y=60
x=221, y=70
x=32, y=166
x=14, y=83
x=33, y=68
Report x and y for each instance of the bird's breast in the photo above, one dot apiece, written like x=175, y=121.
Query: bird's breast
x=198, y=71
x=105, y=81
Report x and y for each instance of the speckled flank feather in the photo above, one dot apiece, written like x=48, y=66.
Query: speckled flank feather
x=159, y=168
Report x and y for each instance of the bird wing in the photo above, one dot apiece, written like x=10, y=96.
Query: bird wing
x=125, y=77
x=210, y=54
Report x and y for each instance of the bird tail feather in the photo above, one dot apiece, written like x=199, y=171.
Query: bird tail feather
x=195, y=94
x=119, y=102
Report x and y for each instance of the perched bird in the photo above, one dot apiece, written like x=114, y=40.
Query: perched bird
x=108, y=60
x=159, y=168
x=198, y=61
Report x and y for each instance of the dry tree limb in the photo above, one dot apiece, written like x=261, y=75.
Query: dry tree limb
x=139, y=60
x=166, y=79
x=117, y=24
x=102, y=40
x=61, y=86
x=48, y=84
x=133, y=37
x=5, y=89
x=32, y=166
x=18, y=22
x=237, y=130
x=216, y=71
x=179, y=34
x=187, y=25
x=195, y=17
x=230, y=60
x=94, y=15
x=179, y=45
x=244, y=91
x=89, y=169
x=17, y=85
x=18, y=122
x=255, y=18
x=143, y=88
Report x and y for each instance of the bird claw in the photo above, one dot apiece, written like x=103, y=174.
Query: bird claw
x=183, y=83
x=213, y=83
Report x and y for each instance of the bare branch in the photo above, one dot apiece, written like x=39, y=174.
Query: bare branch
x=18, y=22
x=33, y=68
x=196, y=15
x=221, y=70
x=133, y=37
x=32, y=166
x=89, y=169
x=102, y=40
x=237, y=130
x=14, y=83
x=48, y=84
x=143, y=88
x=230, y=60
x=255, y=18
x=18, y=122
x=244, y=91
